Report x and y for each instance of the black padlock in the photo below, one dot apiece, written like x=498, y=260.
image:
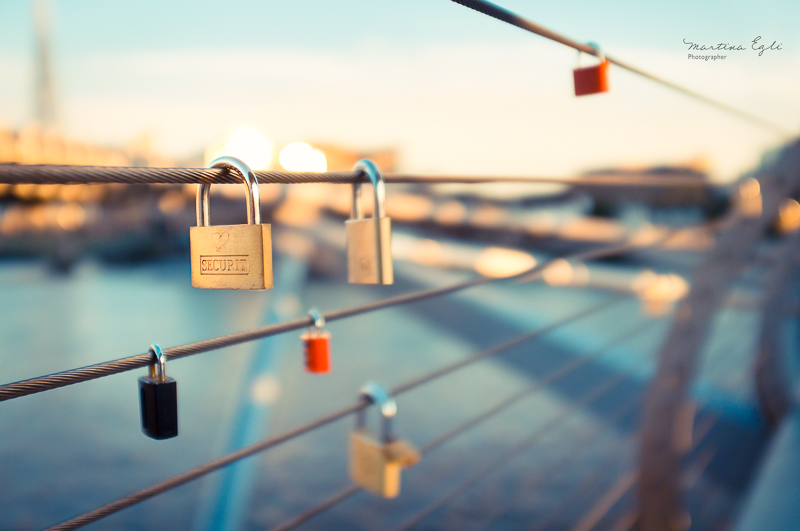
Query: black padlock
x=158, y=395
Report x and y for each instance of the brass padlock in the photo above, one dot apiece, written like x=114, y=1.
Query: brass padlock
x=369, y=240
x=375, y=465
x=231, y=256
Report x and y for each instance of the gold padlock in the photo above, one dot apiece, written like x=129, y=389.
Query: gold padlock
x=375, y=465
x=231, y=256
x=369, y=240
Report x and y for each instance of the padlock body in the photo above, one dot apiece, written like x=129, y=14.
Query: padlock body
x=318, y=351
x=591, y=79
x=158, y=400
x=370, y=467
x=231, y=256
x=369, y=251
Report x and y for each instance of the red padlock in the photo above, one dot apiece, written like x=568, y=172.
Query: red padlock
x=317, y=345
x=591, y=79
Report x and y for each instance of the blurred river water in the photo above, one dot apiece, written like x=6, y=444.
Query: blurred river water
x=76, y=448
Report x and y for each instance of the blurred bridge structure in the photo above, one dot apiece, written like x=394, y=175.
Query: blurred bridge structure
x=662, y=434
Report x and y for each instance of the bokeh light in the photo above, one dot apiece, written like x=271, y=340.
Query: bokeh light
x=247, y=144
x=299, y=156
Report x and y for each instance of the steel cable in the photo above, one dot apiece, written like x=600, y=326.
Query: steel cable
x=584, y=442
x=515, y=450
x=211, y=466
x=628, y=479
x=90, y=372
x=64, y=174
x=536, y=386
x=504, y=15
x=585, y=486
x=454, y=432
x=591, y=481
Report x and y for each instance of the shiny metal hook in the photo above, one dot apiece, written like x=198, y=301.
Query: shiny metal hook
x=387, y=406
x=318, y=321
x=598, y=52
x=368, y=167
x=251, y=183
x=159, y=366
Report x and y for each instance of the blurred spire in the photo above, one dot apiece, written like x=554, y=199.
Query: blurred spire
x=45, y=98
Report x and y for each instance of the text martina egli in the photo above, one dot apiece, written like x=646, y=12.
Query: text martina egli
x=755, y=45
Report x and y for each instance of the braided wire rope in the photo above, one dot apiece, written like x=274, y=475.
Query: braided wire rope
x=626, y=481
x=12, y=173
x=592, y=396
x=90, y=372
x=261, y=446
x=490, y=412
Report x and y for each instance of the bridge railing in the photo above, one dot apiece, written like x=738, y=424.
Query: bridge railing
x=667, y=416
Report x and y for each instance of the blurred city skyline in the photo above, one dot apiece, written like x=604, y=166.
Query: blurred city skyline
x=448, y=89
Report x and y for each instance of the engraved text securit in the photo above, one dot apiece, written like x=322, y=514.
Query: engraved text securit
x=231, y=256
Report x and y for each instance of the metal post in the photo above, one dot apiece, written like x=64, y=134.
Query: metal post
x=773, y=385
x=660, y=495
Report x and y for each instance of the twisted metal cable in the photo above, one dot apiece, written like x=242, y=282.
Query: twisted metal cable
x=512, y=452
x=176, y=481
x=65, y=174
x=571, y=500
x=587, y=439
x=329, y=502
x=628, y=479
x=591, y=481
x=454, y=432
x=509, y=17
x=211, y=466
x=90, y=372
x=538, y=385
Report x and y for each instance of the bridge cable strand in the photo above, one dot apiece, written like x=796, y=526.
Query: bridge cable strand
x=626, y=481
x=99, y=370
x=479, y=475
x=454, y=432
x=611, y=461
x=586, y=440
x=504, y=15
x=64, y=174
x=266, y=444
x=589, y=483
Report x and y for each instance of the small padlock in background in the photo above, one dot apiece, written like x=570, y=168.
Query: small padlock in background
x=375, y=465
x=231, y=256
x=369, y=240
x=158, y=399
x=591, y=79
x=317, y=343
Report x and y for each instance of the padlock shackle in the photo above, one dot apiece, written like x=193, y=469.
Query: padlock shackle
x=375, y=393
x=251, y=183
x=159, y=366
x=317, y=320
x=597, y=53
x=368, y=167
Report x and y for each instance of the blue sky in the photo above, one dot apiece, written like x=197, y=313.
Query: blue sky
x=451, y=89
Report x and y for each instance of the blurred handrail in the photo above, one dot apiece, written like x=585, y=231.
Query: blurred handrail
x=664, y=417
